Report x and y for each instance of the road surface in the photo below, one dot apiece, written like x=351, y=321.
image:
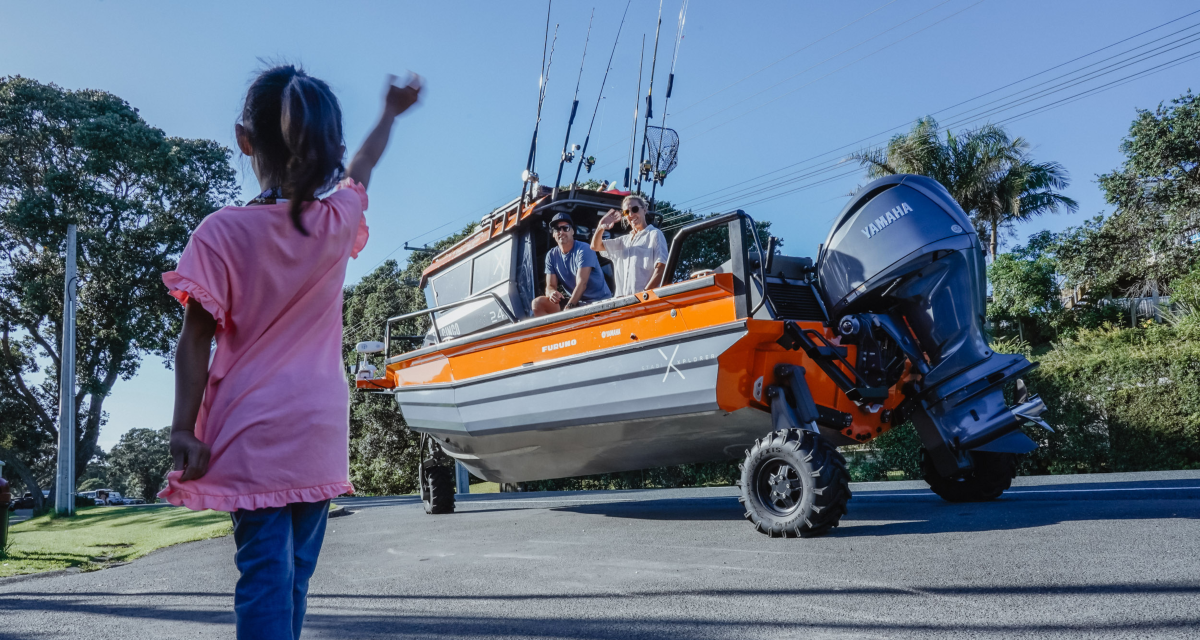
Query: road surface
x=1060, y=557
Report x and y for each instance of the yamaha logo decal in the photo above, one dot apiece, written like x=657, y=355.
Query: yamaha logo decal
x=887, y=218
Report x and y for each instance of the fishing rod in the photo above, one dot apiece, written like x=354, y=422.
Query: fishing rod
x=529, y=174
x=637, y=100
x=649, y=98
x=574, y=107
x=533, y=176
x=655, y=179
x=583, y=157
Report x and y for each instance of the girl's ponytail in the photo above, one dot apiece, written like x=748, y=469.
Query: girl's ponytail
x=295, y=126
x=312, y=130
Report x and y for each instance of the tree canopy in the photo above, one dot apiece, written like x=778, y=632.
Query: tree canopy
x=87, y=158
x=1151, y=239
x=140, y=462
x=383, y=453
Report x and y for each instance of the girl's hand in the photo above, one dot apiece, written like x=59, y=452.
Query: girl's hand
x=190, y=454
x=397, y=100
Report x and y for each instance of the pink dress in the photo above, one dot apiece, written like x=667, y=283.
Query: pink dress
x=276, y=409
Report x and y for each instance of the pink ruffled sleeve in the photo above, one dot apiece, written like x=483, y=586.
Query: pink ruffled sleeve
x=201, y=275
x=360, y=238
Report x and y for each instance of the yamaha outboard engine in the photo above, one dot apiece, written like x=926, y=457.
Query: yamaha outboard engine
x=903, y=267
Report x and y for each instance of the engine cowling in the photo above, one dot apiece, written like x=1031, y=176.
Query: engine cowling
x=903, y=259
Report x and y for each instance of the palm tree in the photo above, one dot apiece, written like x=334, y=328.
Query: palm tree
x=990, y=175
x=1025, y=189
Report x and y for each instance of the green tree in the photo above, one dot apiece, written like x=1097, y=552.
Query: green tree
x=1025, y=291
x=707, y=249
x=990, y=175
x=383, y=452
x=86, y=157
x=1151, y=238
x=1186, y=291
x=140, y=461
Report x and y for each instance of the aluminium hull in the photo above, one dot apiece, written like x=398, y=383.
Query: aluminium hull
x=640, y=405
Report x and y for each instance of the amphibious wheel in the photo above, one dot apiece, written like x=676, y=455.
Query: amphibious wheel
x=794, y=483
x=436, y=477
x=437, y=494
x=993, y=475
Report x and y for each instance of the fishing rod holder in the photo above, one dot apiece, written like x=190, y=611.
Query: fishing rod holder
x=437, y=334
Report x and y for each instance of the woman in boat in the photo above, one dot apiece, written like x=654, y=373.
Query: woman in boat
x=640, y=257
x=575, y=266
x=263, y=430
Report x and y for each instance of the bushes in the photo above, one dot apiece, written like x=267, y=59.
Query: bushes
x=702, y=474
x=1122, y=400
x=898, y=450
x=1186, y=290
x=1118, y=400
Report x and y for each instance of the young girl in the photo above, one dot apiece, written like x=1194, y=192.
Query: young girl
x=263, y=430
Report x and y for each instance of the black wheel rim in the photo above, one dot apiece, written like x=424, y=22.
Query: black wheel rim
x=779, y=487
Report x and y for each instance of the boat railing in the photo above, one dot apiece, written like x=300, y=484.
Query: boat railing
x=437, y=334
x=734, y=220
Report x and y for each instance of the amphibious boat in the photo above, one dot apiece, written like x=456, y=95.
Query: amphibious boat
x=773, y=359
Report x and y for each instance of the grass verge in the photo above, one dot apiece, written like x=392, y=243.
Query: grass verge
x=485, y=487
x=96, y=537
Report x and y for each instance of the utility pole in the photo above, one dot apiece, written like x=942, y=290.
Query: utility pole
x=64, y=497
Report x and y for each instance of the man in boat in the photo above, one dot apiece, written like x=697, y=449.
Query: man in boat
x=640, y=257
x=575, y=266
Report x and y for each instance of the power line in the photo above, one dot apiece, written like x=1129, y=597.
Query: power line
x=807, y=46
x=788, y=93
x=780, y=183
x=1080, y=79
x=784, y=181
x=602, y=166
x=836, y=55
x=702, y=197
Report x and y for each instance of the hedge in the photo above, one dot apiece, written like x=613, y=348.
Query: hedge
x=1119, y=399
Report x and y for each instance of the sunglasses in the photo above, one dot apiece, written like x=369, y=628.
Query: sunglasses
x=634, y=209
x=562, y=227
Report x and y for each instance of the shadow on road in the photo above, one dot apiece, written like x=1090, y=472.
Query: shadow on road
x=875, y=514
x=355, y=620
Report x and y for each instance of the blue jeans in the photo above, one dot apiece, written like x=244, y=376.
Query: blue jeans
x=277, y=551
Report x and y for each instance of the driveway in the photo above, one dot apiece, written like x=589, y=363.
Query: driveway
x=1060, y=557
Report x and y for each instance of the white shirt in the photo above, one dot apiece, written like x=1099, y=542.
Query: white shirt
x=634, y=256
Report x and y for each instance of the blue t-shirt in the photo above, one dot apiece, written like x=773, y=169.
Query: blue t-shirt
x=565, y=267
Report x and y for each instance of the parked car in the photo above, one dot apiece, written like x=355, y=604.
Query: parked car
x=24, y=502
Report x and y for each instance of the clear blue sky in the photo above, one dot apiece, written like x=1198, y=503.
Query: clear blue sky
x=186, y=67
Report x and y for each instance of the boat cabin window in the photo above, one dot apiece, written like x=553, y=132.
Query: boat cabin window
x=491, y=267
x=472, y=277
x=708, y=250
x=452, y=285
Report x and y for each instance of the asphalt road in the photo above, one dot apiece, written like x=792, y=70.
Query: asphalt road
x=1062, y=557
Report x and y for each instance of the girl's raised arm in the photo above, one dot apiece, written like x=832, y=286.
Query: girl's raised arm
x=396, y=101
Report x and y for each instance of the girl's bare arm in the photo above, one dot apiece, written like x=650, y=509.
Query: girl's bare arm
x=191, y=376
x=396, y=101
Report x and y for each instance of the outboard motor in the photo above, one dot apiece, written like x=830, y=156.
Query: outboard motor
x=903, y=271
